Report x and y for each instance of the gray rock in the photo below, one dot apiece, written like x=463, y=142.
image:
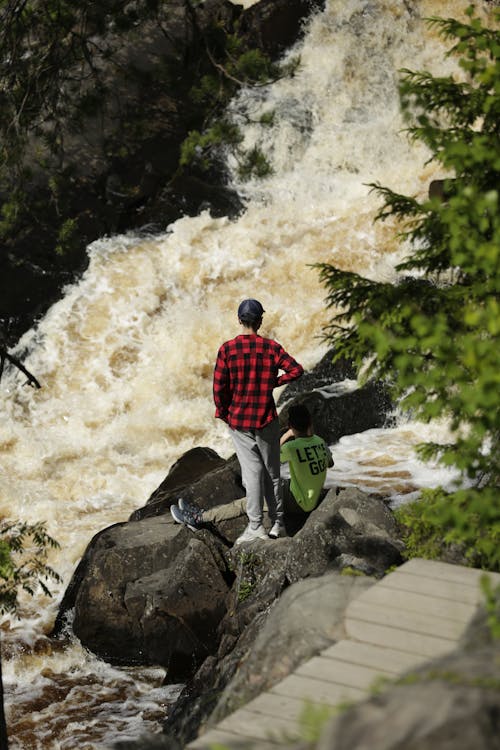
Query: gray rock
x=190, y=479
x=307, y=618
x=151, y=592
x=343, y=409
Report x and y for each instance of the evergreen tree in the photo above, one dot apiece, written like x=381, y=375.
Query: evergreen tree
x=434, y=334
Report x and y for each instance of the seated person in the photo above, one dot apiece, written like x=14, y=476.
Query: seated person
x=308, y=457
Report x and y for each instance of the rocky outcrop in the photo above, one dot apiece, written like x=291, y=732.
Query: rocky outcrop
x=199, y=476
x=307, y=618
x=331, y=541
x=153, y=592
x=338, y=404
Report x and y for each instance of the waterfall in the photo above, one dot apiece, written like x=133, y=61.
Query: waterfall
x=126, y=357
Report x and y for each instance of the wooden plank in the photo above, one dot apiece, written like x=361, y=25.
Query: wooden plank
x=408, y=601
x=445, y=571
x=426, y=646
x=369, y=655
x=341, y=672
x=319, y=691
x=414, y=614
x=228, y=740
x=260, y=727
x=427, y=586
x=414, y=622
x=277, y=704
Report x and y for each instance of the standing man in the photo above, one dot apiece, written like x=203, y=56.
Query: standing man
x=246, y=372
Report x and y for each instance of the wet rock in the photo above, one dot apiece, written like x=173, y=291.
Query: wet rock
x=322, y=375
x=338, y=405
x=220, y=485
x=150, y=592
x=273, y=25
x=344, y=409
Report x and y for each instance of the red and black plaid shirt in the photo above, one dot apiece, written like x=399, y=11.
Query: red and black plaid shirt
x=246, y=372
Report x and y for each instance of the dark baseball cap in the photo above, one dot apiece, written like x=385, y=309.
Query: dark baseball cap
x=250, y=309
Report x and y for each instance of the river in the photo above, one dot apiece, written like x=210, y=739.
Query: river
x=126, y=357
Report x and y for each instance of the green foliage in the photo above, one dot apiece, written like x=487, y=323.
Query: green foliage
x=247, y=565
x=10, y=214
x=452, y=678
x=198, y=147
x=467, y=518
x=492, y=601
x=68, y=234
x=312, y=720
x=233, y=66
x=23, y=554
x=434, y=335
x=350, y=571
x=254, y=163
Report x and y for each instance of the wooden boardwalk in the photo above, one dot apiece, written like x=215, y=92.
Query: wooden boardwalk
x=416, y=613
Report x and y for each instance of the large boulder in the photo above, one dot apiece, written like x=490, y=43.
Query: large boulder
x=339, y=405
x=150, y=592
x=344, y=408
x=200, y=476
x=153, y=592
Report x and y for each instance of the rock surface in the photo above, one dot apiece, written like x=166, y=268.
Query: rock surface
x=307, y=618
x=150, y=592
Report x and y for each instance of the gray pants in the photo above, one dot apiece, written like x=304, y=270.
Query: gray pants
x=258, y=452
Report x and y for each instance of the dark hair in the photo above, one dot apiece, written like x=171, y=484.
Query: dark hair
x=299, y=417
x=252, y=322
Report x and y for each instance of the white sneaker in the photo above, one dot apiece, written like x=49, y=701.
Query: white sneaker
x=250, y=534
x=277, y=530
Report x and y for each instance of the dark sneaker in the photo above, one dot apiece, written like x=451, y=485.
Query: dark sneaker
x=192, y=510
x=180, y=517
